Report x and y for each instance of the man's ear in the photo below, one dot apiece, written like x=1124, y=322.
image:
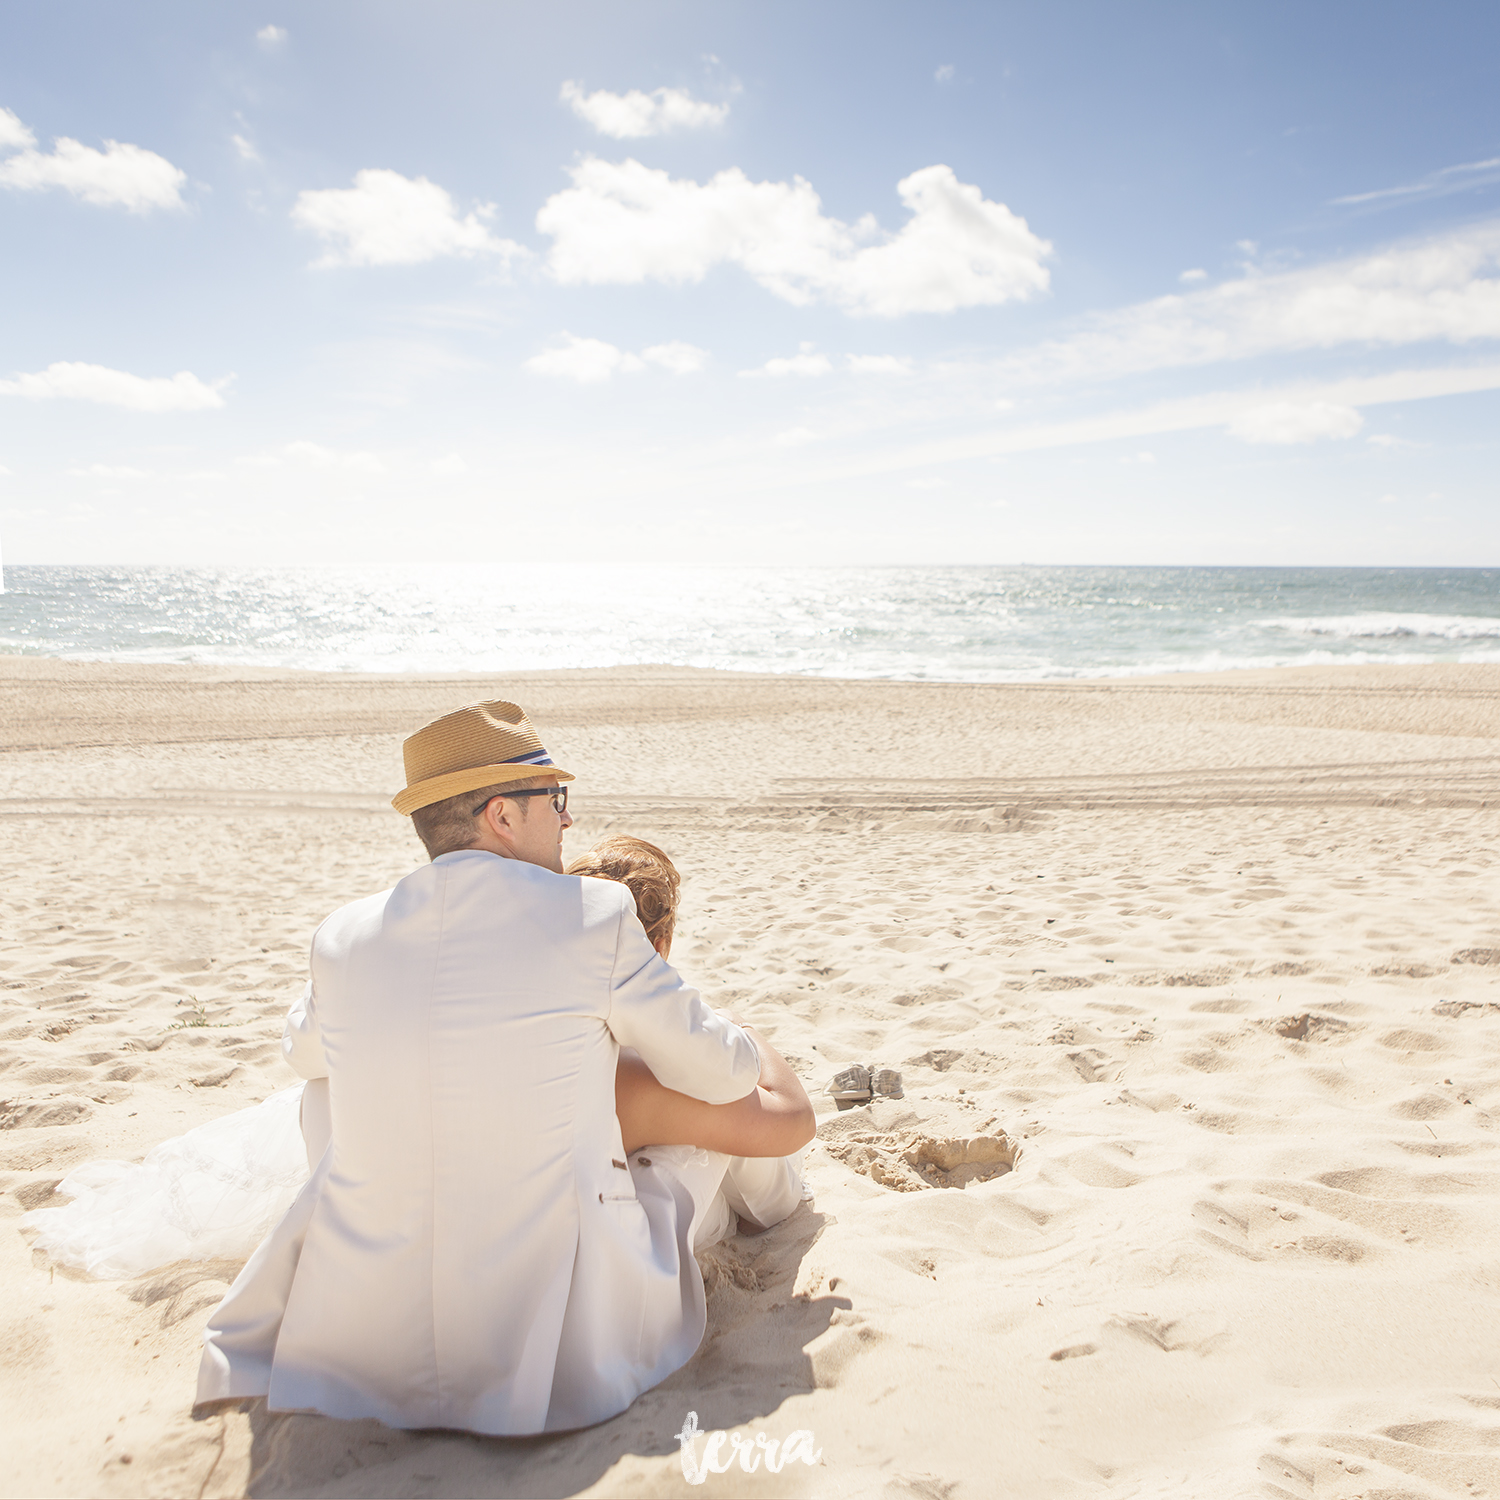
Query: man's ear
x=497, y=822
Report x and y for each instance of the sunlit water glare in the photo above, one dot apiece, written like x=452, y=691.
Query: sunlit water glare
x=955, y=624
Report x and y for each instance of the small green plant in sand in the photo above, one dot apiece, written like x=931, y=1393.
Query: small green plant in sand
x=198, y=1017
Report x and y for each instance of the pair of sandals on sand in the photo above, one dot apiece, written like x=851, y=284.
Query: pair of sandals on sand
x=858, y=1084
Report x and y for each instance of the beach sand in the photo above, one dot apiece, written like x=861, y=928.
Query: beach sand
x=1211, y=963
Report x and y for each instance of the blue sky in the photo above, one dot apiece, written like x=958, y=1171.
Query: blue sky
x=770, y=283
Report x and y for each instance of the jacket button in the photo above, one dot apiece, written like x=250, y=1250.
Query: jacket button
x=643, y=1161
x=601, y=1197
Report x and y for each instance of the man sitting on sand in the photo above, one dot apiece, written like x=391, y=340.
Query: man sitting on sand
x=475, y=1249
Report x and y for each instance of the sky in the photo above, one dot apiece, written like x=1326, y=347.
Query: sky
x=711, y=283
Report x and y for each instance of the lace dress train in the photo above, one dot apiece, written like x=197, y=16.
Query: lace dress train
x=213, y=1193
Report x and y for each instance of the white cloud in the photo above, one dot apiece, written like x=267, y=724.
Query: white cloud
x=1439, y=184
x=5, y=473
x=806, y=361
x=1196, y=274
x=630, y=116
x=65, y=381
x=676, y=357
x=944, y=73
x=109, y=471
x=386, y=219
x=1389, y=500
x=625, y=223
x=316, y=456
x=1287, y=422
x=246, y=150
x=13, y=134
x=931, y=482
x=1443, y=288
x=1216, y=409
x=588, y=361
x=272, y=36
x=120, y=176
x=880, y=364
x=309, y=455
x=1138, y=458
x=450, y=467
x=794, y=437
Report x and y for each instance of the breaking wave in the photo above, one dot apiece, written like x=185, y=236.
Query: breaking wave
x=1388, y=627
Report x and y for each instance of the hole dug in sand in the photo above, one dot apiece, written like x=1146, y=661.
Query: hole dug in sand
x=915, y=1159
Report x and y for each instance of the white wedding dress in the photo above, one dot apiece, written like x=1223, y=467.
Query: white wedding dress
x=211, y=1194
x=218, y=1191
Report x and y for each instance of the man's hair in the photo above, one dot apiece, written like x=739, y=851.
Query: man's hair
x=451, y=824
x=652, y=879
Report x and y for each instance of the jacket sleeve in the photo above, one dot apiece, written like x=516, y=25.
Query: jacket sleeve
x=687, y=1044
x=302, y=1038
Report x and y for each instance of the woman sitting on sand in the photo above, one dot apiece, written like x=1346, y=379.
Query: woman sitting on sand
x=773, y=1121
x=216, y=1191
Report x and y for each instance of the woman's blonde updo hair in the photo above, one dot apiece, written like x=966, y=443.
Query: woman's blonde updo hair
x=652, y=878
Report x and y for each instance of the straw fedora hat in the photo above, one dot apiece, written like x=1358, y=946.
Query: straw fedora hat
x=482, y=744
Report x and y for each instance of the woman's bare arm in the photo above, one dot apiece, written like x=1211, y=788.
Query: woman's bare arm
x=775, y=1120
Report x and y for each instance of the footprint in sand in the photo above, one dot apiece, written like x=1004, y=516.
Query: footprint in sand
x=1219, y=1225
x=1477, y=956
x=1091, y=1064
x=1104, y=1166
x=1390, y=1460
x=945, y=1059
x=1307, y=1027
x=1332, y=1247
x=1197, y=1333
x=24, y=1114
x=1349, y=1215
x=1407, y=1039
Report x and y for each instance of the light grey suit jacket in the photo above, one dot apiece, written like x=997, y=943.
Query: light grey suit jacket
x=471, y=1251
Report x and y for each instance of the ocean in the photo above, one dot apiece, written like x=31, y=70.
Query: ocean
x=967, y=624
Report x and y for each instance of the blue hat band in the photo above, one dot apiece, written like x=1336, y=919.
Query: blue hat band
x=536, y=758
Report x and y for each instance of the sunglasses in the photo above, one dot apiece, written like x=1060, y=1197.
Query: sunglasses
x=558, y=794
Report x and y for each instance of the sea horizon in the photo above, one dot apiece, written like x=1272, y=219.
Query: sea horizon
x=964, y=623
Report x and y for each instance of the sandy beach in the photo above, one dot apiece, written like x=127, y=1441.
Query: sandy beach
x=1211, y=964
